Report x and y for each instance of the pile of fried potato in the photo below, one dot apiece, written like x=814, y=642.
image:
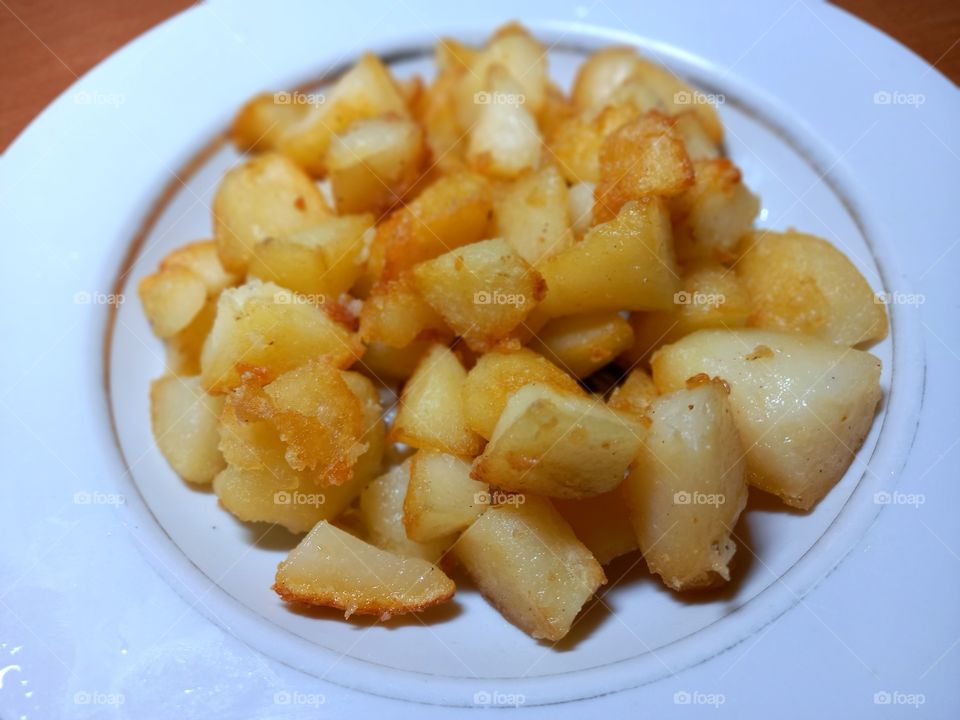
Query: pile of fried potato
x=483, y=244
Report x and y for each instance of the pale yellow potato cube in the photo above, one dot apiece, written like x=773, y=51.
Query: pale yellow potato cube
x=263, y=121
x=332, y=568
x=203, y=259
x=264, y=197
x=624, y=264
x=172, y=298
x=527, y=561
x=365, y=91
x=442, y=499
x=321, y=261
x=375, y=163
x=582, y=344
x=185, y=421
x=396, y=315
x=265, y=330
x=505, y=139
x=453, y=211
x=686, y=489
x=558, y=444
x=711, y=217
x=431, y=407
x=713, y=296
x=483, y=290
x=802, y=283
x=533, y=215
x=497, y=375
x=802, y=406
x=382, y=515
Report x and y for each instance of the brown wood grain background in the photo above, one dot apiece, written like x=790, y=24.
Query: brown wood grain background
x=47, y=44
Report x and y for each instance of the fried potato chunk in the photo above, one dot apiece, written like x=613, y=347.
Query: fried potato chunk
x=332, y=568
x=483, y=290
x=527, y=561
x=686, y=488
x=803, y=284
x=558, y=444
x=802, y=406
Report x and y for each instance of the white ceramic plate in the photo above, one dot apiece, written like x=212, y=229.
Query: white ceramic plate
x=125, y=593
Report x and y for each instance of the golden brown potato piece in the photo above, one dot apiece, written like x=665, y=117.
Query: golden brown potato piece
x=635, y=394
x=482, y=290
x=582, y=344
x=262, y=122
x=442, y=499
x=266, y=330
x=203, y=259
x=643, y=157
x=259, y=485
x=374, y=164
x=382, y=515
x=527, y=561
x=497, y=375
x=453, y=211
x=802, y=283
x=576, y=142
x=601, y=523
x=396, y=315
x=321, y=261
x=712, y=297
x=365, y=91
x=264, y=197
x=533, y=215
x=601, y=74
x=505, y=140
x=332, y=568
x=431, y=407
x=520, y=57
x=558, y=444
x=624, y=264
x=802, y=405
x=171, y=298
x=185, y=420
x=686, y=488
x=710, y=217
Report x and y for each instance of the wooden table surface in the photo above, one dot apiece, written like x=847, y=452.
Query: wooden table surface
x=50, y=43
